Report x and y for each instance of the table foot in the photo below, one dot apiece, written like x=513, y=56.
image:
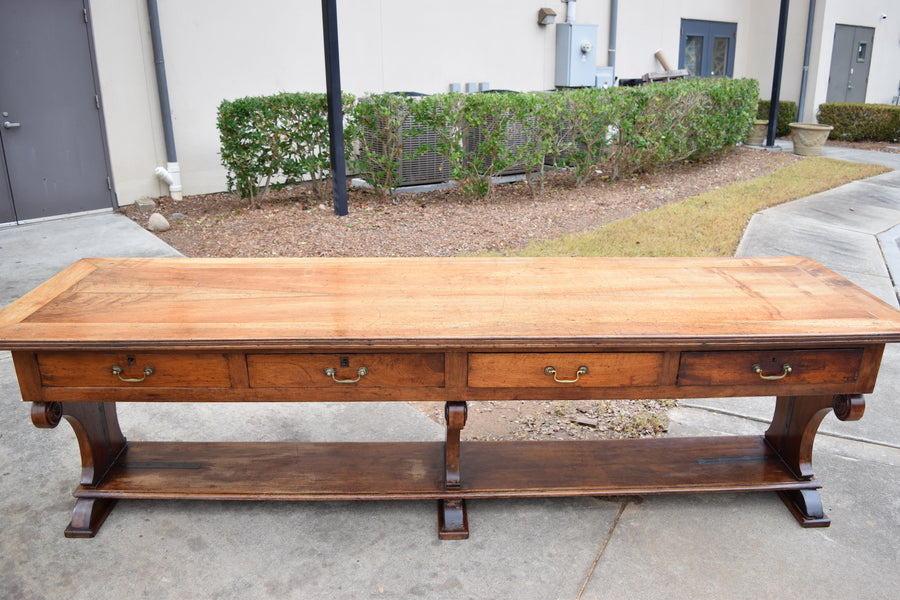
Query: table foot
x=806, y=506
x=88, y=516
x=453, y=521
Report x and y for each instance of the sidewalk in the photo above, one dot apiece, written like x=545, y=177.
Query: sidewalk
x=685, y=546
x=746, y=546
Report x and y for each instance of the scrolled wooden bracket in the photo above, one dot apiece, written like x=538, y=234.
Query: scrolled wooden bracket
x=456, y=414
x=849, y=407
x=453, y=521
x=46, y=415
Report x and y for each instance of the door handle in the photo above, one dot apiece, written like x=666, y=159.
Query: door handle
x=8, y=125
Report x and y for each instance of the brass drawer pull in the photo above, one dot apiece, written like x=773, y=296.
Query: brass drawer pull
x=550, y=371
x=786, y=370
x=117, y=371
x=360, y=373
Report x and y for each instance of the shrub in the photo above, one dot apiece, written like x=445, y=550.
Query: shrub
x=661, y=124
x=275, y=140
x=787, y=114
x=381, y=119
x=857, y=122
x=483, y=135
x=278, y=139
x=588, y=121
x=440, y=114
x=533, y=134
x=249, y=137
x=489, y=122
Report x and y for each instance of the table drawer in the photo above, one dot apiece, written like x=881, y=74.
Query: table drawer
x=545, y=370
x=359, y=370
x=786, y=367
x=170, y=370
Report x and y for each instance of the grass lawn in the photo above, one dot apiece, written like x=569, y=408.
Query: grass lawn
x=710, y=224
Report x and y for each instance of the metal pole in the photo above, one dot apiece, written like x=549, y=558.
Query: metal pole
x=810, y=21
x=776, y=78
x=335, y=111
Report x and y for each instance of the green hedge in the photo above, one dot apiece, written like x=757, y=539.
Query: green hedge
x=687, y=119
x=275, y=140
x=284, y=138
x=857, y=122
x=787, y=114
x=616, y=130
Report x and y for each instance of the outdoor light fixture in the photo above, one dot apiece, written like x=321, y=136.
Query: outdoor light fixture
x=546, y=16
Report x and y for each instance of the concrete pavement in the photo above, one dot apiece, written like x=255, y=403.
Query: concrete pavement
x=686, y=546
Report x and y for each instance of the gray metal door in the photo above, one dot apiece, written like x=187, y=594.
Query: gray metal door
x=850, y=60
x=51, y=130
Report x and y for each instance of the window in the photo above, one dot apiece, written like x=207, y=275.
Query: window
x=721, y=45
x=693, y=54
x=707, y=48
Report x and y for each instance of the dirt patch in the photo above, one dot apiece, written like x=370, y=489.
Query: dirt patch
x=565, y=420
x=291, y=222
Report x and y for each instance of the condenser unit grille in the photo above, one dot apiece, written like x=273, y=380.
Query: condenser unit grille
x=429, y=167
x=516, y=135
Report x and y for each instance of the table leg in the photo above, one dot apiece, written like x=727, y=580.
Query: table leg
x=453, y=522
x=792, y=433
x=100, y=441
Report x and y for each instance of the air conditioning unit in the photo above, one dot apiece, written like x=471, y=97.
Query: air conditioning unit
x=429, y=167
x=517, y=134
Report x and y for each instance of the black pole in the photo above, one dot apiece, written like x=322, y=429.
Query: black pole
x=776, y=78
x=335, y=111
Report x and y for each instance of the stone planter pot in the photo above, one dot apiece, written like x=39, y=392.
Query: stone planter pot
x=757, y=135
x=809, y=138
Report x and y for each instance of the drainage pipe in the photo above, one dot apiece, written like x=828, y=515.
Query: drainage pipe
x=810, y=18
x=172, y=171
x=613, y=25
x=570, y=10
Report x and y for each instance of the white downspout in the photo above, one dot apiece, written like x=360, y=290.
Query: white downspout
x=172, y=176
x=172, y=173
x=570, y=10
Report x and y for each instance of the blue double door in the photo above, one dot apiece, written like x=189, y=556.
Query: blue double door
x=707, y=48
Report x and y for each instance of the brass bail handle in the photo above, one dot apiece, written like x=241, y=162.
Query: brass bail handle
x=551, y=371
x=785, y=371
x=360, y=373
x=117, y=371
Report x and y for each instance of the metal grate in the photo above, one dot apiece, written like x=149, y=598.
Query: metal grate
x=516, y=135
x=430, y=167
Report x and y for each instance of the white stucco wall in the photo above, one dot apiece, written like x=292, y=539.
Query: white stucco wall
x=231, y=48
x=128, y=87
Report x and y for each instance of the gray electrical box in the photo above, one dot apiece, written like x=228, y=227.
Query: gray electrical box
x=576, y=55
x=606, y=77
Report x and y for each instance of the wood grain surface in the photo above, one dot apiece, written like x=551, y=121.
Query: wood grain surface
x=444, y=302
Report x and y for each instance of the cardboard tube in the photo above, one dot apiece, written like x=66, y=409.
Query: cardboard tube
x=662, y=61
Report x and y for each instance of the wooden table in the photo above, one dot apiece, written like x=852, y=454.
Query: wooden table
x=454, y=330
